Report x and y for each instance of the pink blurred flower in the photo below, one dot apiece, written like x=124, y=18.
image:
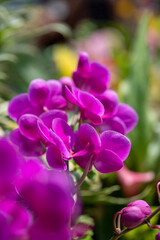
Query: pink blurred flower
x=132, y=181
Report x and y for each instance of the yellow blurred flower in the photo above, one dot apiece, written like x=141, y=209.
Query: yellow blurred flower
x=124, y=8
x=65, y=60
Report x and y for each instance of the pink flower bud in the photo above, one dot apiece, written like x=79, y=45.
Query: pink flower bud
x=132, y=216
x=157, y=236
x=145, y=208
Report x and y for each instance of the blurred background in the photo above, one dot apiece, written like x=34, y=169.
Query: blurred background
x=42, y=39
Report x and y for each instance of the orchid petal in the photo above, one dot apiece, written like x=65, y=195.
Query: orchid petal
x=28, y=126
x=91, y=103
x=107, y=162
x=64, y=131
x=54, y=158
x=100, y=77
x=128, y=115
x=115, y=124
x=87, y=134
x=116, y=142
x=18, y=105
x=70, y=96
x=48, y=116
x=109, y=99
x=38, y=92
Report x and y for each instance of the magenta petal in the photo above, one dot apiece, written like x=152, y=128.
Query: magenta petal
x=32, y=148
x=19, y=218
x=9, y=159
x=28, y=126
x=84, y=65
x=67, y=81
x=100, y=77
x=91, y=103
x=44, y=132
x=64, y=131
x=18, y=105
x=5, y=232
x=88, y=135
x=54, y=158
x=70, y=96
x=109, y=99
x=80, y=153
x=77, y=78
x=48, y=116
x=128, y=115
x=55, y=87
x=94, y=118
x=115, y=124
x=26, y=146
x=56, y=102
x=65, y=150
x=38, y=92
x=107, y=162
x=116, y=142
x=83, y=160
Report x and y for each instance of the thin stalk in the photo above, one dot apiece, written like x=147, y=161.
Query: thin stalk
x=117, y=230
x=153, y=226
x=115, y=237
x=83, y=175
x=158, y=192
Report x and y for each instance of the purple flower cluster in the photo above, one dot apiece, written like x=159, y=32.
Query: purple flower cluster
x=35, y=202
x=42, y=193
x=42, y=118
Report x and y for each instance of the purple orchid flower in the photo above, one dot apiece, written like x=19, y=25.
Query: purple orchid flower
x=42, y=95
x=91, y=76
x=19, y=219
x=106, y=152
x=27, y=136
x=89, y=105
x=52, y=189
x=61, y=139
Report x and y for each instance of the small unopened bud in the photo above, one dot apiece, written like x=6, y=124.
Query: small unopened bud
x=144, y=207
x=157, y=236
x=132, y=216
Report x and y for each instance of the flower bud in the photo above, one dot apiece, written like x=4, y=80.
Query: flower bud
x=132, y=216
x=157, y=236
x=144, y=207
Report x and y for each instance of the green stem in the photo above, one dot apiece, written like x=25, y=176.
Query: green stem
x=83, y=175
x=115, y=236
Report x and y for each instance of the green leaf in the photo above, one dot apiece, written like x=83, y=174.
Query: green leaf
x=137, y=95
